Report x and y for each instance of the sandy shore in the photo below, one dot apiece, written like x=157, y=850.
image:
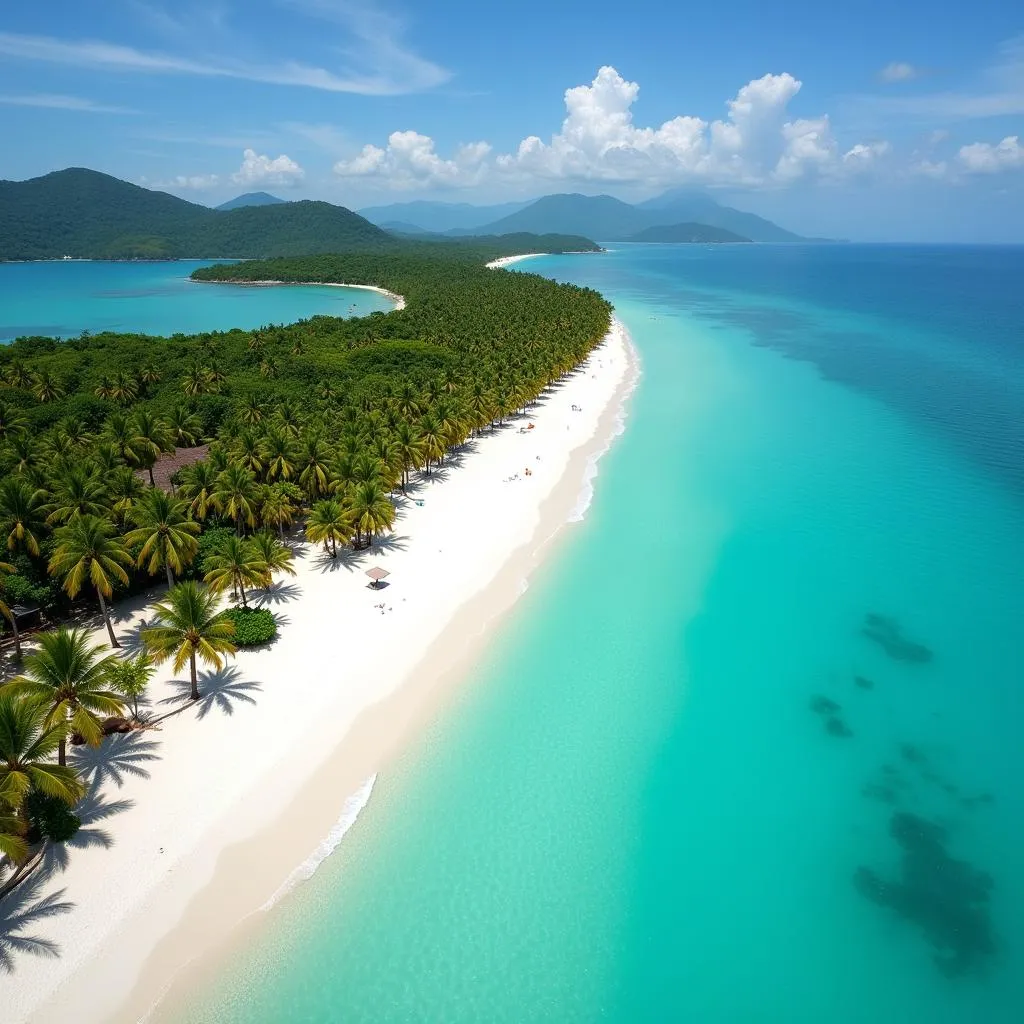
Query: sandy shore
x=398, y=300
x=196, y=825
x=507, y=261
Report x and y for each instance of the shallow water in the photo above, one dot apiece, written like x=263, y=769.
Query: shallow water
x=633, y=813
x=62, y=298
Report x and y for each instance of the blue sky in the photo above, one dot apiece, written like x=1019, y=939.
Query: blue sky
x=889, y=121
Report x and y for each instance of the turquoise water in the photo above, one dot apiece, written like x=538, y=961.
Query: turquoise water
x=64, y=298
x=632, y=812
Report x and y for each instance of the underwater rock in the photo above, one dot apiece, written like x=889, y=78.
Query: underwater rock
x=837, y=727
x=863, y=683
x=886, y=632
x=824, y=705
x=945, y=897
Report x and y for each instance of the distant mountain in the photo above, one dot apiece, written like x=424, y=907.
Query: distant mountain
x=599, y=217
x=610, y=220
x=251, y=199
x=687, y=204
x=401, y=227
x=78, y=212
x=440, y=218
x=688, y=232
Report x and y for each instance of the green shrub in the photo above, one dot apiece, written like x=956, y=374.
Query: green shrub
x=210, y=541
x=253, y=626
x=50, y=818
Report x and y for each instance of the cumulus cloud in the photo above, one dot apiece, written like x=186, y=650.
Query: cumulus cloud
x=757, y=143
x=411, y=161
x=184, y=182
x=899, y=71
x=863, y=156
x=985, y=158
x=257, y=169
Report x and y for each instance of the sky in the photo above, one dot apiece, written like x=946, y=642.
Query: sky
x=887, y=121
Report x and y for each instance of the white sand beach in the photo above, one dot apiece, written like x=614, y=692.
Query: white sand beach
x=398, y=300
x=507, y=261
x=197, y=823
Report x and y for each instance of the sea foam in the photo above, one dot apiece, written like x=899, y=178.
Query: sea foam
x=350, y=811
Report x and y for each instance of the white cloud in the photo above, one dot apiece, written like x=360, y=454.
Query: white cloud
x=757, y=144
x=57, y=102
x=937, y=169
x=376, y=61
x=898, y=71
x=410, y=161
x=985, y=158
x=863, y=156
x=257, y=169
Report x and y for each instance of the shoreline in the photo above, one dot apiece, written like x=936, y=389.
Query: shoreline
x=398, y=300
x=210, y=897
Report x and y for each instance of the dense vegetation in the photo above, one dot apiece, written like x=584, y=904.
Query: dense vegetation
x=319, y=421
x=82, y=213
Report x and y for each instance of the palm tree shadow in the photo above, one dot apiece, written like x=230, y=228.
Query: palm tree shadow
x=220, y=690
x=93, y=808
x=276, y=593
x=389, y=542
x=26, y=908
x=118, y=756
x=131, y=639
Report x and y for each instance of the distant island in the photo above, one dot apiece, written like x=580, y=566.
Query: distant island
x=688, y=232
x=84, y=214
x=603, y=218
x=250, y=199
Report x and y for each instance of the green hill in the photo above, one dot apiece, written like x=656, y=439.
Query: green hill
x=688, y=204
x=82, y=213
x=599, y=217
x=688, y=232
x=250, y=199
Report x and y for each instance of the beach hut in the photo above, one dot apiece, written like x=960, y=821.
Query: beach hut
x=376, y=574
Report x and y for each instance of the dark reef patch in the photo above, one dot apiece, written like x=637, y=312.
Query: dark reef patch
x=887, y=633
x=946, y=898
x=837, y=727
x=863, y=682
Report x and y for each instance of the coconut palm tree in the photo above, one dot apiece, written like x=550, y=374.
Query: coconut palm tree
x=119, y=432
x=235, y=495
x=148, y=375
x=183, y=426
x=372, y=511
x=275, y=556
x=196, y=381
x=21, y=515
x=124, y=489
x=46, y=387
x=70, y=677
x=88, y=550
x=410, y=449
x=328, y=523
x=125, y=388
x=198, y=484
x=236, y=564
x=279, y=455
x=312, y=459
x=247, y=452
x=12, y=421
x=16, y=375
x=166, y=533
x=151, y=437
x=190, y=627
x=27, y=746
x=21, y=454
x=279, y=506
x=78, y=491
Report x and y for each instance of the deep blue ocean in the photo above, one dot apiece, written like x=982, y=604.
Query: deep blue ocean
x=751, y=747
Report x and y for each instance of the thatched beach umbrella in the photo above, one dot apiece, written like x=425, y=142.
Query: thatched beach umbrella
x=377, y=574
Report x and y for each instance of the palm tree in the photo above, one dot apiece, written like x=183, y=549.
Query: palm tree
x=275, y=556
x=198, y=483
x=148, y=376
x=235, y=495
x=125, y=388
x=328, y=522
x=88, y=550
x=279, y=505
x=184, y=426
x=372, y=511
x=120, y=433
x=312, y=459
x=252, y=410
x=236, y=564
x=46, y=387
x=12, y=421
x=190, y=626
x=77, y=492
x=6, y=569
x=410, y=449
x=16, y=375
x=27, y=746
x=167, y=535
x=279, y=455
x=21, y=515
x=151, y=437
x=197, y=381
x=69, y=676
x=123, y=491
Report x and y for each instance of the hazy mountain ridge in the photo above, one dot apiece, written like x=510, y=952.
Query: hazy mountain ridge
x=250, y=199
x=688, y=232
